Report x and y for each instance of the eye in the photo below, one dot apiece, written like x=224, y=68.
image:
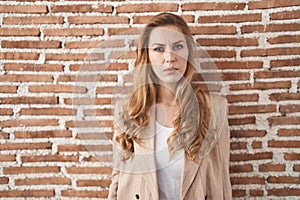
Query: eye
x=158, y=49
x=178, y=46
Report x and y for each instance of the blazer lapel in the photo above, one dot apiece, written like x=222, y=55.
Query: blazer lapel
x=146, y=152
x=189, y=172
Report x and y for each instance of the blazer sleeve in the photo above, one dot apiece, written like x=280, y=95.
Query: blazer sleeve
x=112, y=195
x=224, y=151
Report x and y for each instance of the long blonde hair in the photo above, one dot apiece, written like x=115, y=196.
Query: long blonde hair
x=190, y=124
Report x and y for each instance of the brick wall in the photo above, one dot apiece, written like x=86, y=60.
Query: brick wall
x=55, y=120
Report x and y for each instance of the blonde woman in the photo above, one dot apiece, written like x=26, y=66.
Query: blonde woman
x=171, y=138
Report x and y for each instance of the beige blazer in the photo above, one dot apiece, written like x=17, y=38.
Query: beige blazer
x=207, y=178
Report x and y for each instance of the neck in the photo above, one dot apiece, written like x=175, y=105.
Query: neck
x=166, y=95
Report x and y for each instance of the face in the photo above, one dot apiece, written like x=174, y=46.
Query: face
x=168, y=54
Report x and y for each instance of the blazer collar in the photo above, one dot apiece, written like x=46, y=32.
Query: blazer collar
x=147, y=154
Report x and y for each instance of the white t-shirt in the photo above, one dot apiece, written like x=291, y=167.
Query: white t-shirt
x=168, y=172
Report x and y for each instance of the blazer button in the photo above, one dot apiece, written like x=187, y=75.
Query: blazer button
x=137, y=196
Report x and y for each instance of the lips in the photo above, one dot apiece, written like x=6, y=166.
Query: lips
x=170, y=69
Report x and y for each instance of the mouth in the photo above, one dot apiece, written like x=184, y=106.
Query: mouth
x=171, y=69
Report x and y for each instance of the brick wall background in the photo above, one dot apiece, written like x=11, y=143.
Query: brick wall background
x=47, y=113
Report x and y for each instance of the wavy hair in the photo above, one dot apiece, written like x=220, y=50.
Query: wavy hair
x=191, y=122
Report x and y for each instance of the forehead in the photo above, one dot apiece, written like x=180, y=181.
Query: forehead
x=166, y=34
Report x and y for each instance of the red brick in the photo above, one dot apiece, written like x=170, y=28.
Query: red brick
x=228, y=42
x=98, y=112
x=247, y=180
x=73, y=32
x=8, y=89
x=43, y=181
x=236, y=65
x=283, y=63
x=264, y=4
x=212, y=6
x=44, y=134
x=241, y=168
x=76, y=148
x=124, y=31
x=284, y=180
x=7, y=158
x=82, y=8
x=256, y=193
x=247, y=133
x=99, y=67
x=6, y=111
x=50, y=158
x=84, y=193
x=284, y=120
x=292, y=156
x=29, y=122
x=89, y=123
x=71, y=57
x=23, y=9
x=213, y=30
x=271, y=52
x=31, y=44
x=31, y=170
x=29, y=100
x=225, y=76
x=19, y=32
x=238, y=193
x=221, y=53
x=154, y=7
x=47, y=111
x=230, y=18
x=289, y=108
x=285, y=15
x=98, y=159
x=284, y=96
x=252, y=109
x=94, y=136
x=34, y=20
x=283, y=27
x=25, y=78
x=242, y=121
x=270, y=28
x=88, y=101
x=23, y=146
x=95, y=44
x=261, y=85
x=284, y=144
x=242, y=98
x=276, y=74
x=284, y=192
x=33, y=67
x=58, y=88
x=19, y=56
x=272, y=168
x=4, y=135
x=4, y=180
x=27, y=193
x=288, y=132
x=284, y=39
x=247, y=157
x=238, y=145
x=98, y=20
x=256, y=145
x=297, y=168
x=93, y=183
x=89, y=170
x=87, y=78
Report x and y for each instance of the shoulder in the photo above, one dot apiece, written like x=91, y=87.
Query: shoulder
x=219, y=110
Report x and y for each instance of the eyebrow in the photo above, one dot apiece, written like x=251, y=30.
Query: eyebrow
x=159, y=44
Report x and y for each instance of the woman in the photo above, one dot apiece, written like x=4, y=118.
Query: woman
x=171, y=138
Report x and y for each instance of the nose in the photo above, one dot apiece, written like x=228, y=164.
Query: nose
x=169, y=56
